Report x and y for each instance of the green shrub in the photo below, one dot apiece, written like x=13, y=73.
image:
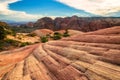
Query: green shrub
x=1, y=45
x=8, y=43
x=32, y=35
x=25, y=44
x=66, y=33
x=4, y=30
x=57, y=33
x=13, y=33
x=3, y=33
x=44, y=39
x=12, y=42
x=57, y=36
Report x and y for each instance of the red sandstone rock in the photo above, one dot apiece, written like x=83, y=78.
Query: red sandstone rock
x=74, y=58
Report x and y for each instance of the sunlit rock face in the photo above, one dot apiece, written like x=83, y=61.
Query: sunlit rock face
x=84, y=56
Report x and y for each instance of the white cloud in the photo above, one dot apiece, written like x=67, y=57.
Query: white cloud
x=15, y=15
x=98, y=7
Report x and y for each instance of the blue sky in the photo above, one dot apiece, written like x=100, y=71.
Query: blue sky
x=28, y=10
x=46, y=8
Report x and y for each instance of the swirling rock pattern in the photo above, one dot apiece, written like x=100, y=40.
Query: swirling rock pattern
x=90, y=56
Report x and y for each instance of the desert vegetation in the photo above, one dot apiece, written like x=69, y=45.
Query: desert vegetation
x=10, y=39
x=25, y=44
x=23, y=29
x=66, y=33
x=4, y=30
x=44, y=39
x=31, y=34
x=55, y=36
x=7, y=43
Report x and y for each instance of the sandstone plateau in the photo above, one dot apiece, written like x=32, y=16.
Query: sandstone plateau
x=42, y=32
x=84, y=56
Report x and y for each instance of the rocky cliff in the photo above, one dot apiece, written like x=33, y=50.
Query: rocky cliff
x=77, y=23
x=45, y=23
x=87, y=56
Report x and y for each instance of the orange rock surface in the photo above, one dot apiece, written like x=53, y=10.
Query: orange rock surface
x=87, y=56
x=42, y=32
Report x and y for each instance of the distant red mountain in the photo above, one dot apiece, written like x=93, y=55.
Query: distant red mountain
x=77, y=23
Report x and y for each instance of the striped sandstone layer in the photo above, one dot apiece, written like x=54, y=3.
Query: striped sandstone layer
x=80, y=57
